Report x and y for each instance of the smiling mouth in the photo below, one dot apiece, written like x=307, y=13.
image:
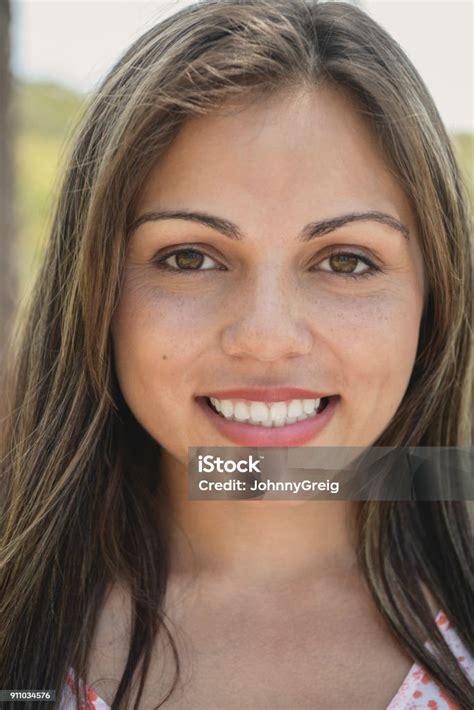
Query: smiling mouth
x=268, y=414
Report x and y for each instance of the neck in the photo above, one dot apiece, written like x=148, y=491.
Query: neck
x=259, y=541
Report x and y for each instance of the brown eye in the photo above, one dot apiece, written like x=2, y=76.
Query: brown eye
x=350, y=265
x=189, y=259
x=186, y=260
x=344, y=263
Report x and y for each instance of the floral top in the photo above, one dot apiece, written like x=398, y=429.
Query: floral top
x=417, y=692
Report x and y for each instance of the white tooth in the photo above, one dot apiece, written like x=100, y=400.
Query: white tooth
x=295, y=408
x=278, y=412
x=241, y=411
x=275, y=414
x=258, y=411
x=227, y=408
x=310, y=405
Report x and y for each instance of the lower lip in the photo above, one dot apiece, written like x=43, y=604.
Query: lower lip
x=295, y=434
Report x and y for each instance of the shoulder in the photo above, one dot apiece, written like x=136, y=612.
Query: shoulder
x=463, y=655
x=109, y=649
x=419, y=689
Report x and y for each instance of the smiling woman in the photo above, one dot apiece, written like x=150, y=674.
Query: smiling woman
x=291, y=274
x=262, y=240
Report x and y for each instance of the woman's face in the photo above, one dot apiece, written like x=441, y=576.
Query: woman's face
x=281, y=283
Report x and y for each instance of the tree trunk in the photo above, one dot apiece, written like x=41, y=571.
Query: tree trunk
x=8, y=280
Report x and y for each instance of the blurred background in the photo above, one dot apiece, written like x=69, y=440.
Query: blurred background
x=54, y=53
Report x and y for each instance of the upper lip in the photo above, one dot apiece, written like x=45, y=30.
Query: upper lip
x=267, y=394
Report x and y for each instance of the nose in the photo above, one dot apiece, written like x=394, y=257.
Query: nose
x=267, y=322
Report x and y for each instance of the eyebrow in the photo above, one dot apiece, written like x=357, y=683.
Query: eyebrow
x=309, y=232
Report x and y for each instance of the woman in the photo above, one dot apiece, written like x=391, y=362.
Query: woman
x=289, y=155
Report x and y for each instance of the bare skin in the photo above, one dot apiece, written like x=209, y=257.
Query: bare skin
x=265, y=599
x=320, y=645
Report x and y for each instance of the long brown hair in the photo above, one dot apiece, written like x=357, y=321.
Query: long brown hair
x=76, y=479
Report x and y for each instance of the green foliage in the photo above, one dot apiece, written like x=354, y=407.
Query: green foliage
x=464, y=150
x=45, y=117
x=48, y=110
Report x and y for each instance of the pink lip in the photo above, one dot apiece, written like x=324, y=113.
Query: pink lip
x=268, y=394
x=295, y=434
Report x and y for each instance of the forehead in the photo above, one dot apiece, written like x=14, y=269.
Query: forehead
x=309, y=150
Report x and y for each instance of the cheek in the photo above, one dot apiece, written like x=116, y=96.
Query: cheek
x=375, y=340
x=156, y=338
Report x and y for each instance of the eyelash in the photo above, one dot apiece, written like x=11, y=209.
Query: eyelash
x=160, y=264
